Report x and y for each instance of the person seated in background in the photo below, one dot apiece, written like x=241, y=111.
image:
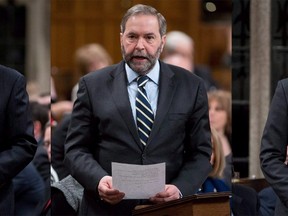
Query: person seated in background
x=40, y=116
x=47, y=145
x=30, y=186
x=57, y=151
x=46, y=209
x=88, y=58
x=220, y=119
x=215, y=182
x=179, y=51
x=244, y=199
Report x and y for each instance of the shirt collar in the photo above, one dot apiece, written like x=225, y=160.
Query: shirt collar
x=153, y=74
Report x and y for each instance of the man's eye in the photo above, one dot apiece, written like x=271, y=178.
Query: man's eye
x=131, y=37
x=150, y=38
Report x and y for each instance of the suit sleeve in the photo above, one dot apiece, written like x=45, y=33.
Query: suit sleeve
x=19, y=133
x=274, y=143
x=81, y=140
x=198, y=147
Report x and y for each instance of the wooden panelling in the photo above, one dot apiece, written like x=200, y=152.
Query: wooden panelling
x=78, y=22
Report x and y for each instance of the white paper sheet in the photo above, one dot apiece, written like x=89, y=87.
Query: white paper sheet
x=138, y=181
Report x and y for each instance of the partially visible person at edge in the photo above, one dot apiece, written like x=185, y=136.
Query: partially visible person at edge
x=17, y=142
x=105, y=123
x=273, y=151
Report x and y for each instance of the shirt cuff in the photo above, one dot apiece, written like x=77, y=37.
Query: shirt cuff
x=180, y=195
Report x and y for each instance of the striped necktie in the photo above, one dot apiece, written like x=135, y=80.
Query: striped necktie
x=144, y=113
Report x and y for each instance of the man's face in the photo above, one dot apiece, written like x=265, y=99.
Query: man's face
x=141, y=43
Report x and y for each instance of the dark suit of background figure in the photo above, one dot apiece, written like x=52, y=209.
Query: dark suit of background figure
x=268, y=200
x=29, y=192
x=103, y=130
x=17, y=143
x=274, y=144
x=244, y=201
x=205, y=73
x=57, y=149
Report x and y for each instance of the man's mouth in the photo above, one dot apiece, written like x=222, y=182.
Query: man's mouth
x=139, y=57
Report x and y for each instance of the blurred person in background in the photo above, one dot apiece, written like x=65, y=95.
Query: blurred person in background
x=58, y=108
x=220, y=119
x=47, y=145
x=58, y=138
x=179, y=51
x=40, y=116
x=88, y=58
x=215, y=182
x=244, y=199
x=32, y=185
x=46, y=210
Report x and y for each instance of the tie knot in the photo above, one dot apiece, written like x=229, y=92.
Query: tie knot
x=142, y=80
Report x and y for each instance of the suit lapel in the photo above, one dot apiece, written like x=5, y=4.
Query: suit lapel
x=118, y=88
x=166, y=92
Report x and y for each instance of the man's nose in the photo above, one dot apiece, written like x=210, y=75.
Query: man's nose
x=140, y=44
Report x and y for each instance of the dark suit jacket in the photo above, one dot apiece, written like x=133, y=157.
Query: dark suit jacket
x=17, y=143
x=57, y=151
x=103, y=130
x=205, y=73
x=42, y=165
x=274, y=143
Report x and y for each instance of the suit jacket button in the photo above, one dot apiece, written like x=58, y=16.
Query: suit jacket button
x=143, y=156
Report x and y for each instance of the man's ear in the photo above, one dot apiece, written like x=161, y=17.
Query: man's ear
x=121, y=37
x=163, y=42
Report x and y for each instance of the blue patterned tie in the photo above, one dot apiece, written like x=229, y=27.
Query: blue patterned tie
x=144, y=113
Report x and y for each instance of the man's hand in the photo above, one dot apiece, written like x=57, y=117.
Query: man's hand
x=171, y=193
x=107, y=193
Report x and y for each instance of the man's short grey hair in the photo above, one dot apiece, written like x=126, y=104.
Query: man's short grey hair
x=146, y=10
x=173, y=38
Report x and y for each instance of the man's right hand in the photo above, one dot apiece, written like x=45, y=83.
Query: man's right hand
x=107, y=193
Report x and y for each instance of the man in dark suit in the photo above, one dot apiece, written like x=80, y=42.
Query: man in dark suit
x=17, y=143
x=105, y=119
x=274, y=146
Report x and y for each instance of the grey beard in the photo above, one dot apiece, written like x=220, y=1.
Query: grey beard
x=146, y=67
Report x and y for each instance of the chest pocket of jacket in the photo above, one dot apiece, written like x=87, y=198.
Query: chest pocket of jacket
x=177, y=116
x=177, y=121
